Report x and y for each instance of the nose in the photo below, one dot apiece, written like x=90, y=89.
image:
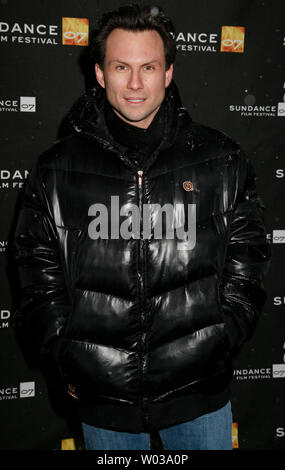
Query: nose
x=135, y=80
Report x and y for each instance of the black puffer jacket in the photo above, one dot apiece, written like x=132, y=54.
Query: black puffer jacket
x=143, y=329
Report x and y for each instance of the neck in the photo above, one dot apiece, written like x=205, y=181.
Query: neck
x=142, y=124
x=139, y=140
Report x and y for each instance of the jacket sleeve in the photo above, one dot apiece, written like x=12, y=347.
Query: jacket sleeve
x=45, y=302
x=247, y=259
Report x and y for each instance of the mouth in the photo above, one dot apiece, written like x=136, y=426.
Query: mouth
x=135, y=100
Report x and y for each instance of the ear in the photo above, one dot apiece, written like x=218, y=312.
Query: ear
x=99, y=75
x=168, y=75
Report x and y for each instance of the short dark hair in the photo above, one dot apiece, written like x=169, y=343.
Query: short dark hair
x=134, y=18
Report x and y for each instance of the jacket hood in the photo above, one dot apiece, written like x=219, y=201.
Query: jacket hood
x=87, y=119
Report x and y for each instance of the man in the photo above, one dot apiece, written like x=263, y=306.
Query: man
x=141, y=315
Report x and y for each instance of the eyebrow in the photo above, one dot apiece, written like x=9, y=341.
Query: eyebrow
x=126, y=63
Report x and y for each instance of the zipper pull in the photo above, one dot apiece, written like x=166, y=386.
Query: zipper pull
x=140, y=173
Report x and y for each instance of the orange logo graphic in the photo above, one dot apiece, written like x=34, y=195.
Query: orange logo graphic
x=68, y=444
x=75, y=31
x=235, y=435
x=232, y=39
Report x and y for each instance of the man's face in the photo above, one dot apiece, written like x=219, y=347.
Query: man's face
x=134, y=75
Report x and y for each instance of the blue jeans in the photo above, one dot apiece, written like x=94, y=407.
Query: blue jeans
x=212, y=431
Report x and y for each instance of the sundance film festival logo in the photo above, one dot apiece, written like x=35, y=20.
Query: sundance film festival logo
x=278, y=370
x=277, y=236
x=12, y=392
x=158, y=222
x=253, y=373
x=5, y=319
x=6, y=246
x=279, y=300
x=231, y=39
x=251, y=109
x=280, y=432
x=73, y=31
x=13, y=179
x=9, y=319
x=25, y=104
x=280, y=173
x=28, y=33
x=281, y=109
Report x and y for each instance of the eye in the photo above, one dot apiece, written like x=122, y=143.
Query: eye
x=121, y=67
x=149, y=67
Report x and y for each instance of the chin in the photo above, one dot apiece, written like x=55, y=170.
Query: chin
x=132, y=118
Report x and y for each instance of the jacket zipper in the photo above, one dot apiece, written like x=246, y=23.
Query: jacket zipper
x=140, y=175
x=140, y=182
x=144, y=399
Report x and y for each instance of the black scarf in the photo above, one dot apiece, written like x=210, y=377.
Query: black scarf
x=142, y=142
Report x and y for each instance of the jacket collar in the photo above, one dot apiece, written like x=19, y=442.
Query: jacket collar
x=86, y=119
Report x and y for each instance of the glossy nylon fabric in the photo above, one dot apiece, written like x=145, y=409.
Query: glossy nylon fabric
x=143, y=332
